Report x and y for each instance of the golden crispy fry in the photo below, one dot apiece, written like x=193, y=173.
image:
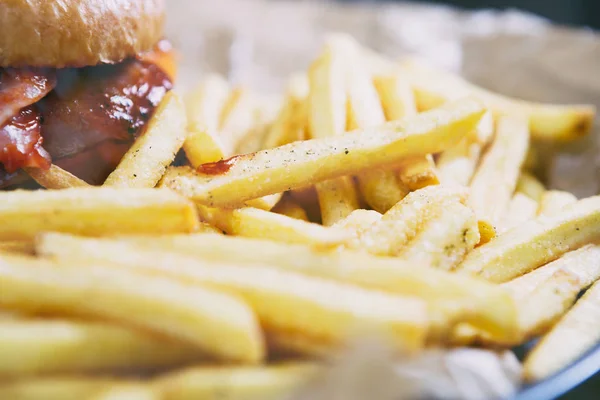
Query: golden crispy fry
x=36, y=346
x=289, y=207
x=146, y=160
x=284, y=301
x=302, y=163
x=521, y=209
x=553, y=297
x=530, y=186
x=496, y=177
x=553, y=201
x=204, y=105
x=217, y=323
x=56, y=387
x=17, y=246
x=444, y=240
x=574, y=334
x=490, y=306
x=237, y=116
x=434, y=87
x=535, y=243
x=128, y=391
x=94, y=211
x=236, y=383
x=55, y=177
x=256, y=223
x=337, y=199
x=402, y=223
x=397, y=97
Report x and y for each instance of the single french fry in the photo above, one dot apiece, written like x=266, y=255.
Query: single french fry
x=491, y=306
x=204, y=105
x=397, y=97
x=265, y=203
x=128, y=391
x=256, y=223
x=236, y=383
x=536, y=242
x=55, y=177
x=434, y=87
x=457, y=164
x=359, y=221
x=284, y=301
x=147, y=159
x=289, y=207
x=17, y=246
x=445, y=239
x=496, y=177
x=570, y=338
x=418, y=173
x=327, y=118
x=397, y=227
x=525, y=284
x=530, y=186
x=51, y=346
x=94, y=211
x=233, y=181
x=217, y=323
x=55, y=387
x=553, y=201
x=237, y=116
x=521, y=209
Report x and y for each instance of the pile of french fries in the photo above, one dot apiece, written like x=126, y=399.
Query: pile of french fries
x=376, y=197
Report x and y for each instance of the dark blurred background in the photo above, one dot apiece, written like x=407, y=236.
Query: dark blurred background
x=567, y=12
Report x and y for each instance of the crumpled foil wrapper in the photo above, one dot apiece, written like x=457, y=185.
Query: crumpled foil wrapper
x=259, y=43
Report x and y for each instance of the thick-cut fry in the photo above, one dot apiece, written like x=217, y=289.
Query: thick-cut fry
x=445, y=239
x=217, y=323
x=337, y=199
x=553, y=201
x=146, y=160
x=491, y=306
x=574, y=334
x=94, y=211
x=36, y=346
x=530, y=186
x=551, y=299
x=231, y=182
x=256, y=223
x=289, y=207
x=285, y=301
x=398, y=226
x=128, y=391
x=55, y=177
x=521, y=209
x=237, y=116
x=522, y=286
x=204, y=105
x=536, y=242
x=434, y=87
x=236, y=383
x=55, y=388
x=496, y=178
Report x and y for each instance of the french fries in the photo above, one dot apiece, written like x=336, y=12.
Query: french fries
x=553, y=201
x=301, y=163
x=58, y=345
x=289, y=207
x=575, y=333
x=84, y=211
x=222, y=325
x=55, y=178
x=147, y=159
x=337, y=199
x=434, y=87
x=496, y=178
x=535, y=243
x=521, y=209
x=237, y=116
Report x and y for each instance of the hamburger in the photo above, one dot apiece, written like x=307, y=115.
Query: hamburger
x=79, y=80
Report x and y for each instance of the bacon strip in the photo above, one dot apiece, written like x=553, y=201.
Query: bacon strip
x=20, y=88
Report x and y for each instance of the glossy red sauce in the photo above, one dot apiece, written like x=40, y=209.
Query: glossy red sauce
x=218, y=167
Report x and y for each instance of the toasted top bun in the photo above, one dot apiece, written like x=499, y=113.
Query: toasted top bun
x=76, y=33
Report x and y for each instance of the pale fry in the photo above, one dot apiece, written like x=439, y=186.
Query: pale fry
x=289, y=207
x=398, y=226
x=147, y=159
x=219, y=324
x=536, y=242
x=457, y=164
x=359, y=221
x=574, y=334
x=94, y=211
x=553, y=201
x=496, y=177
x=204, y=105
x=491, y=306
x=237, y=116
x=36, y=346
x=236, y=383
x=55, y=388
x=128, y=391
x=434, y=87
x=444, y=240
x=266, y=202
x=337, y=199
x=397, y=97
x=55, y=177
x=521, y=209
x=418, y=173
x=531, y=186
x=256, y=223
x=302, y=163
